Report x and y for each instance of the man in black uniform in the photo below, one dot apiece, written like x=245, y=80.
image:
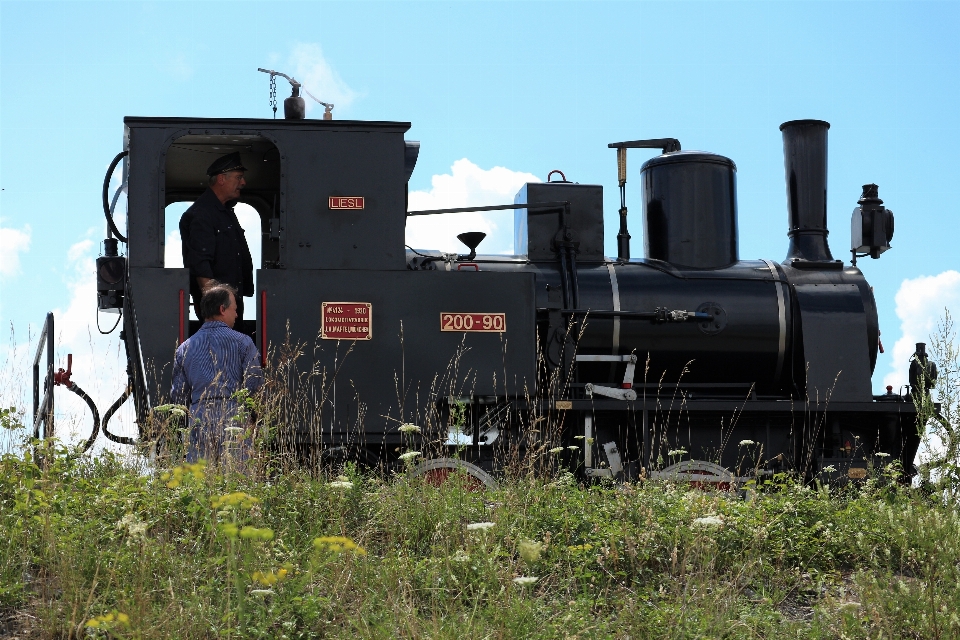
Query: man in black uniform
x=214, y=247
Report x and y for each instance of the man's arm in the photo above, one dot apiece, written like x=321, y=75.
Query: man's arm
x=180, y=390
x=203, y=247
x=252, y=373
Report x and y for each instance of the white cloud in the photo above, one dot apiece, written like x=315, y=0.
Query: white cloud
x=13, y=242
x=172, y=253
x=467, y=185
x=247, y=216
x=311, y=69
x=99, y=362
x=920, y=304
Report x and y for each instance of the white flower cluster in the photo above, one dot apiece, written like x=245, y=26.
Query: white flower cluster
x=708, y=521
x=134, y=526
x=479, y=526
x=409, y=427
x=409, y=455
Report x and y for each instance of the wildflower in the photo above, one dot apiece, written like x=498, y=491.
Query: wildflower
x=479, y=526
x=556, y=450
x=573, y=447
x=175, y=476
x=523, y=581
x=341, y=484
x=408, y=427
x=409, y=456
x=229, y=529
x=261, y=592
x=829, y=468
x=269, y=578
x=108, y=620
x=578, y=437
x=747, y=443
x=233, y=429
x=580, y=547
x=252, y=533
x=236, y=499
x=708, y=521
x=134, y=527
x=460, y=556
x=337, y=544
x=530, y=550
x=881, y=454
x=677, y=452
x=177, y=410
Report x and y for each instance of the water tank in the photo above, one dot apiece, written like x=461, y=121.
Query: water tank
x=690, y=209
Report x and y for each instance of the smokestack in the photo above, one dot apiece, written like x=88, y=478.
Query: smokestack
x=805, y=165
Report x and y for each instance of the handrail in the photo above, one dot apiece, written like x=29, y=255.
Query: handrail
x=43, y=412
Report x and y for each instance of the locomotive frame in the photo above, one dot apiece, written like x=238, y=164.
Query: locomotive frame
x=687, y=349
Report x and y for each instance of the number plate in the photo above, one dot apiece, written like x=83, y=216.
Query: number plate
x=346, y=321
x=481, y=322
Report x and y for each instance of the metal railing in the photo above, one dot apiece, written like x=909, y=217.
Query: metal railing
x=43, y=411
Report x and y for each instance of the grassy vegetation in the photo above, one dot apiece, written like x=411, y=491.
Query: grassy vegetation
x=102, y=548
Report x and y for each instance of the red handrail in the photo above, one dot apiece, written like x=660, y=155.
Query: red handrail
x=182, y=331
x=263, y=328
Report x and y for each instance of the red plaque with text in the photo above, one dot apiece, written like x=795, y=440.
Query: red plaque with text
x=346, y=202
x=346, y=321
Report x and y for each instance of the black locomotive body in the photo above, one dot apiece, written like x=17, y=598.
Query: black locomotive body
x=659, y=365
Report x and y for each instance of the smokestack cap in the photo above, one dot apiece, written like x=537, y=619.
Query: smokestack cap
x=803, y=123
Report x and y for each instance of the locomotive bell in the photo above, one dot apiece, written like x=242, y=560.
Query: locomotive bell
x=294, y=107
x=690, y=209
x=871, y=225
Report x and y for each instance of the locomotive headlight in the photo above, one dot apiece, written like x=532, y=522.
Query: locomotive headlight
x=111, y=274
x=871, y=227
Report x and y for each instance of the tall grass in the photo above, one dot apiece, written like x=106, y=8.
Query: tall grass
x=133, y=547
x=103, y=548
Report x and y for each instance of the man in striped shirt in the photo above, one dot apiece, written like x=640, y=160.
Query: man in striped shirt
x=208, y=369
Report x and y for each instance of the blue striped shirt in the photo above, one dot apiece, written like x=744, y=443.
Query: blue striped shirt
x=213, y=364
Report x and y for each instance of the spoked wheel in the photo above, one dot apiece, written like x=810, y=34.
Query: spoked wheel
x=436, y=471
x=699, y=473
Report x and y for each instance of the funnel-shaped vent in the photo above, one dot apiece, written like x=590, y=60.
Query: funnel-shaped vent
x=472, y=239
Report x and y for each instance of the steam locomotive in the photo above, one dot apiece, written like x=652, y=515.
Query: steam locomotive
x=688, y=362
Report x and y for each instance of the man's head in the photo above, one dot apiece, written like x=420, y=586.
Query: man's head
x=226, y=177
x=219, y=302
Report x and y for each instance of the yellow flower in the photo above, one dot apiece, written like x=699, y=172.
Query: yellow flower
x=236, y=499
x=269, y=578
x=337, y=544
x=252, y=533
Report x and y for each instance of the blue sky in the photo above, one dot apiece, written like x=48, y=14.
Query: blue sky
x=525, y=86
